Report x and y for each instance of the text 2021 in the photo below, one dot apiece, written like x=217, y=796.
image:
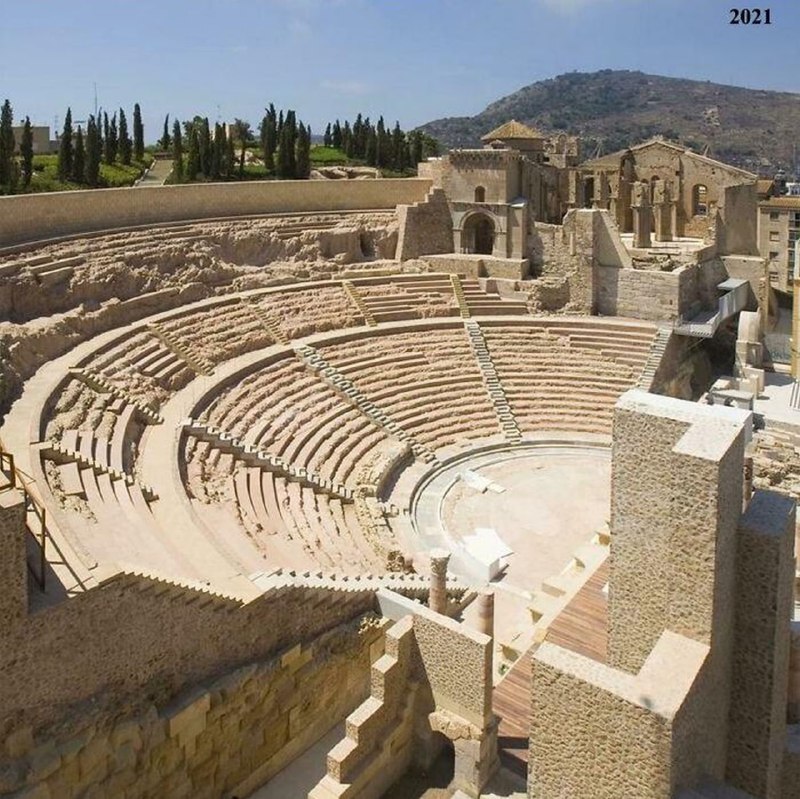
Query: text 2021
x=750, y=16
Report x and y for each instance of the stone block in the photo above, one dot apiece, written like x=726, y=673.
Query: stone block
x=191, y=716
x=19, y=742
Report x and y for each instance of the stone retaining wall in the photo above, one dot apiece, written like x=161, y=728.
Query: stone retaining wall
x=34, y=217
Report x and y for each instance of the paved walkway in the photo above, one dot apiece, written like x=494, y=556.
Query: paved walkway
x=156, y=175
x=774, y=402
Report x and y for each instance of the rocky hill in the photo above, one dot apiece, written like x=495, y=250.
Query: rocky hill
x=754, y=129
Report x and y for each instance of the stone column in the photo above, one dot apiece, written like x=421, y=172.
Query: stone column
x=437, y=601
x=642, y=218
x=485, y=607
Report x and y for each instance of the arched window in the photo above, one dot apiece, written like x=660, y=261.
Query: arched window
x=699, y=200
x=480, y=194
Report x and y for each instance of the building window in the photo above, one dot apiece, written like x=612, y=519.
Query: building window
x=773, y=256
x=480, y=194
x=774, y=216
x=700, y=200
x=774, y=235
x=794, y=219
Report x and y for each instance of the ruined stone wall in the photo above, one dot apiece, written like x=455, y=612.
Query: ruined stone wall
x=223, y=737
x=678, y=511
x=737, y=232
x=562, y=254
x=764, y=604
x=135, y=636
x=602, y=733
x=426, y=228
x=645, y=294
x=33, y=217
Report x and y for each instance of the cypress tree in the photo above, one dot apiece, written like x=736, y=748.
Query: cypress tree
x=125, y=144
x=94, y=149
x=290, y=124
x=138, y=134
x=193, y=158
x=347, y=140
x=26, y=151
x=79, y=158
x=270, y=138
x=336, y=135
x=165, y=141
x=371, y=154
x=6, y=146
x=65, y=149
x=416, y=147
x=204, y=140
x=177, y=152
x=398, y=148
x=283, y=166
x=303, y=152
x=218, y=151
x=230, y=158
x=327, y=139
x=106, y=139
x=113, y=141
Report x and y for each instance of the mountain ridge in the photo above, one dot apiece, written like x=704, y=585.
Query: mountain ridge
x=756, y=129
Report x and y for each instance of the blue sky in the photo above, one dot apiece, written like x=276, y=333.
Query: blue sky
x=412, y=60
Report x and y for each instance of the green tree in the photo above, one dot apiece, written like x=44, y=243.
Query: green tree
x=244, y=134
x=65, y=149
x=138, y=134
x=399, y=148
x=79, y=158
x=269, y=137
x=303, y=152
x=125, y=143
x=94, y=152
x=177, y=152
x=283, y=168
x=336, y=135
x=26, y=151
x=6, y=146
x=218, y=151
x=193, y=158
x=111, y=139
x=230, y=158
x=165, y=140
x=327, y=138
x=416, y=147
x=206, y=146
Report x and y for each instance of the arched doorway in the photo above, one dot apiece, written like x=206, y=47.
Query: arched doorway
x=478, y=235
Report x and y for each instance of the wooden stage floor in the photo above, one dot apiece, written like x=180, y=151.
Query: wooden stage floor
x=581, y=627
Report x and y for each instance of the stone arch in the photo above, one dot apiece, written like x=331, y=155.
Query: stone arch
x=700, y=200
x=478, y=234
x=480, y=194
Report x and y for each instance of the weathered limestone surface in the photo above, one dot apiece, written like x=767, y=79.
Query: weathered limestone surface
x=425, y=227
x=223, y=737
x=764, y=601
x=13, y=572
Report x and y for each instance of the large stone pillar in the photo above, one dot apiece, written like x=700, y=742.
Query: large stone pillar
x=437, y=600
x=642, y=216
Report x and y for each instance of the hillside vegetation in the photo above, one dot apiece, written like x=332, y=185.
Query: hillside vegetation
x=610, y=110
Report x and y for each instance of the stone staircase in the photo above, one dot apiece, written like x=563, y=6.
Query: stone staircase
x=253, y=456
x=657, y=350
x=101, y=385
x=492, y=382
x=412, y=586
x=269, y=323
x=56, y=451
x=345, y=387
x=197, y=364
x=461, y=298
x=358, y=300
